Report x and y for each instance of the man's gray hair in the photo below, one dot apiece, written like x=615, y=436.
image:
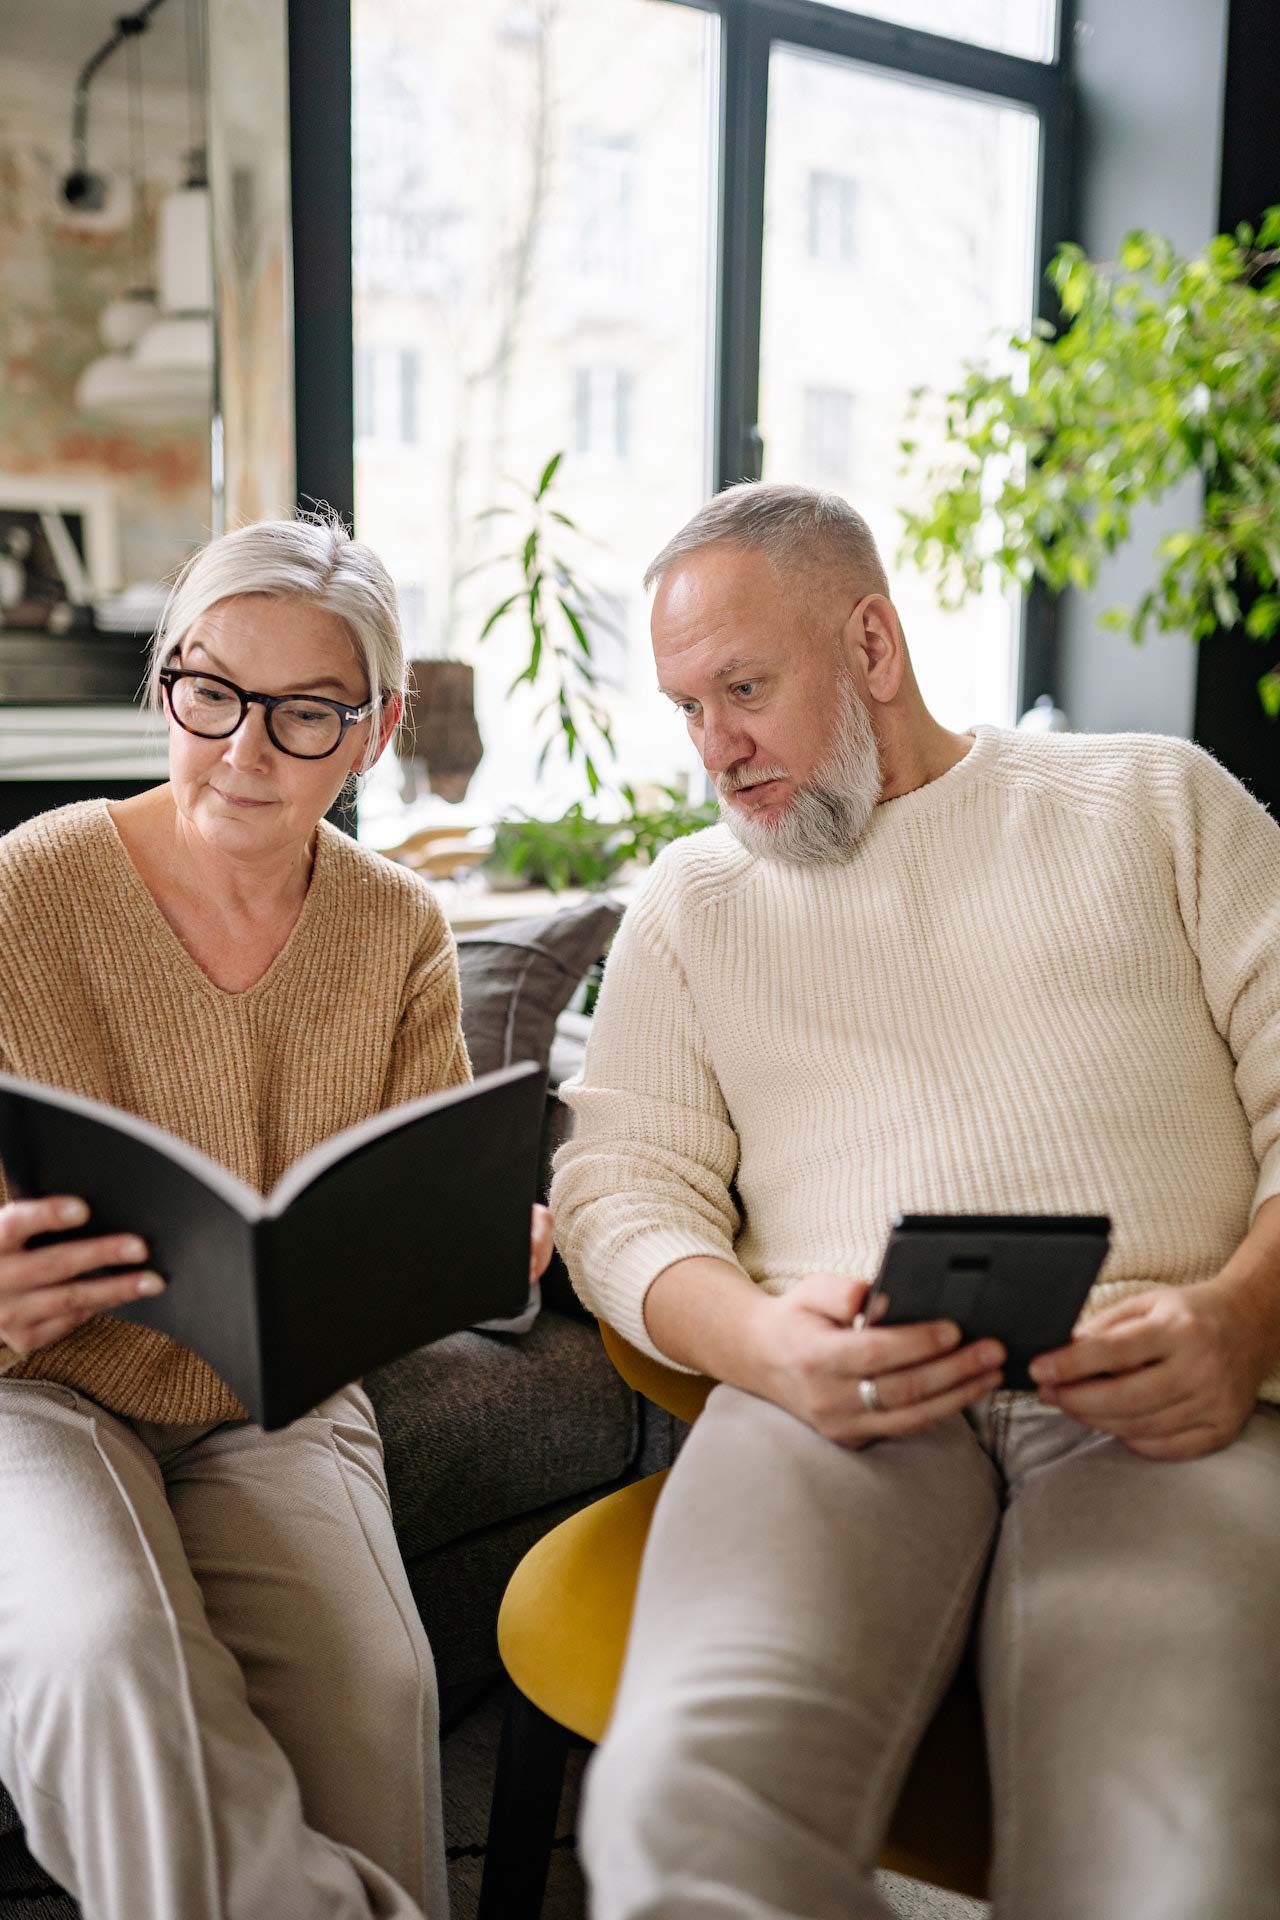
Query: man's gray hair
x=797, y=529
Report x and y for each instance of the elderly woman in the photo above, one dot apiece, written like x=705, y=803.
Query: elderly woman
x=217, y=1696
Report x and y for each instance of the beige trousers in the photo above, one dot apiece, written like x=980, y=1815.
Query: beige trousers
x=217, y=1701
x=801, y=1611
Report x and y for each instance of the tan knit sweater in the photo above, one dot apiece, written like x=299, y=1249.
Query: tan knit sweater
x=358, y=1012
x=1048, y=981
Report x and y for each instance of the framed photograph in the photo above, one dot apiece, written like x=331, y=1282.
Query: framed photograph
x=59, y=551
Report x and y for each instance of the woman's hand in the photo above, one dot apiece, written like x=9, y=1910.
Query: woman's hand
x=814, y=1362
x=42, y=1296
x=1173, y=1373
x=541, y=1243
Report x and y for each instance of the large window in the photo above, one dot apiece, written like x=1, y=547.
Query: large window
x=682, y=242
x=534, y=210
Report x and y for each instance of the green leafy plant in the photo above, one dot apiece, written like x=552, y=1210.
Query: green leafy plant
x=1169, y=367
x=649, y=826
x=560, y=612
x=576, y=850
x=579, y=850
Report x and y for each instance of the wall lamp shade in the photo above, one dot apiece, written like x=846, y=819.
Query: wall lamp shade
x=161, y=370
x=126, y=318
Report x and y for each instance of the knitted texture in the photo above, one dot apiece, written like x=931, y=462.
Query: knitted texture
x=358, y=1012
x=1046, y=982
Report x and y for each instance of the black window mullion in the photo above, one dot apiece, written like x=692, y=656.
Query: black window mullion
x=744, y=109
x=1039, y=653
x=908, y=50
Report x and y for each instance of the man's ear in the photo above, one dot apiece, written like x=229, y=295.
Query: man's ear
x=875, y=633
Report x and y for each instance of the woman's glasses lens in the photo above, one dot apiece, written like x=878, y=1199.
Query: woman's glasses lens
x=206, y=706
x=305, y=728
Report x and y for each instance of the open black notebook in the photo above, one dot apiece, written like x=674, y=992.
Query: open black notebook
x=392, y=1233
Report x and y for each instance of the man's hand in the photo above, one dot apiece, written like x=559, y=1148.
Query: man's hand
x=1173, y=1373
x=812, y=1361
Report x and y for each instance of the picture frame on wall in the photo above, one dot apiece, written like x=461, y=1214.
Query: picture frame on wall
x=59, y=552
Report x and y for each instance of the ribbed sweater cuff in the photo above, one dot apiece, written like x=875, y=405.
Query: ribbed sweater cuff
x=618, y=1295
x=1268, y=1180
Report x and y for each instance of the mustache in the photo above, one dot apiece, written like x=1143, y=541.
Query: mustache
x=732, y=782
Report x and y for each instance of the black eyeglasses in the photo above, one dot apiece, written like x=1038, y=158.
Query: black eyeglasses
x=306, y=726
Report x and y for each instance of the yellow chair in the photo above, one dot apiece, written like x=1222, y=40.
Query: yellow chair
x=562, y=1631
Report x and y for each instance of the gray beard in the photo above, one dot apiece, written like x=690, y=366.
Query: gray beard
x=829, y=814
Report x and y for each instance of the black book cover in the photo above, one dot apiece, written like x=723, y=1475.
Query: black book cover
x=386, y=1236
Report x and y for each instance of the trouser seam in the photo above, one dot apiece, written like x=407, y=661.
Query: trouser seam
x=19, y=1759
x=894, y=1753
x=411, y=1636
x=189, y=1714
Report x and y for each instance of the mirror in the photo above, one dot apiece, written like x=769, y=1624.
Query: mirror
x=145, y=364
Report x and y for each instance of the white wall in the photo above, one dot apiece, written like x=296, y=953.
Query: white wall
x=1150, y=144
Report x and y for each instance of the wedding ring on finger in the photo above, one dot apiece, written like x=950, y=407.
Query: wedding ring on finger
x=869, y=1394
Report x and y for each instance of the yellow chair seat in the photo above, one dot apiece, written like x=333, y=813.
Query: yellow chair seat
x=566, y=1614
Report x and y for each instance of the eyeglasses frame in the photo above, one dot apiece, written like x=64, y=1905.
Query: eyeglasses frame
x=348, y=715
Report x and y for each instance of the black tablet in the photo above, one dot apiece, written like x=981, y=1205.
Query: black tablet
x=1015, y=1277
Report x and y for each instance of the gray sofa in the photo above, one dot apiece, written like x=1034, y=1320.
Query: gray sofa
x=490, y=1439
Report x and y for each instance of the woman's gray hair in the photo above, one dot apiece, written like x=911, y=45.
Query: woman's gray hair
x=797, y=529
x=310, y=558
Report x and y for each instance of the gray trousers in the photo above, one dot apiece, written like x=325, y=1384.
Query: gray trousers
x=803, y=1608
x=217, y=1701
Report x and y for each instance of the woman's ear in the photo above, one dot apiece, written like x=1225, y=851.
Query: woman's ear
x=389, y=720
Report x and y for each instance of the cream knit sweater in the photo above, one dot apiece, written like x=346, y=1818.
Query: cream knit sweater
x=1048, y=981
x=97, y=995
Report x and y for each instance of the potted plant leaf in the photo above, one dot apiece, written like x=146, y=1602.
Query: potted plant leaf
x=1167, y=367
x=559, y=611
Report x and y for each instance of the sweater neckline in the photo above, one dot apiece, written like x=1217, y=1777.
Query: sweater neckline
x=165, y=940
x=941, y=791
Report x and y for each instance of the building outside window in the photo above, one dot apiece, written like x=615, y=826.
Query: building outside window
x=388, y=384
x=604, y=167
x=406, y=223
x=828, y=435
x=832, y=209
x=412, y=596
x=602, y=412
x=610, y=628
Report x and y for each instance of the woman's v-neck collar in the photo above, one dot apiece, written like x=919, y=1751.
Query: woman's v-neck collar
x=167, y=943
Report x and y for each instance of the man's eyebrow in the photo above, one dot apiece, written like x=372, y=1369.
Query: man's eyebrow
x=312, y=686
x=731, y=670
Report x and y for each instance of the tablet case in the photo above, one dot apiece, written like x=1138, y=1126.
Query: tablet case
x=1018, y=1278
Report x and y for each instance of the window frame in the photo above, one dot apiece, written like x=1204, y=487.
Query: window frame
x=749, y=29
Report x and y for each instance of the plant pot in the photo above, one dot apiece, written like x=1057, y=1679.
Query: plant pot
x=441, y=736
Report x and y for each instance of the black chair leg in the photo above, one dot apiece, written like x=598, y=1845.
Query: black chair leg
x=522, y=1822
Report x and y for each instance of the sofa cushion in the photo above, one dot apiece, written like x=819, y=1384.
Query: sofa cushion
x=480, y=1427
x=518, y=977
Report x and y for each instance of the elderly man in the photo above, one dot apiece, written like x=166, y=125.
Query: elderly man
x=917, y=970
